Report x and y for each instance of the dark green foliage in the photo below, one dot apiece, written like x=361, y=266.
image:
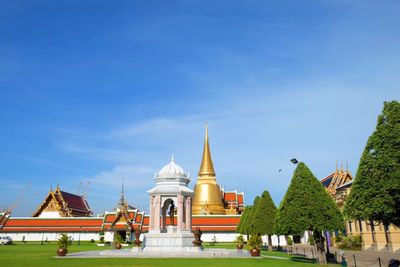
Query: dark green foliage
x=264, y=216
x=245, y=227
x=307, y=206
x=375, y=193
x=277, y=227
x=243, y=218
x=249, y=226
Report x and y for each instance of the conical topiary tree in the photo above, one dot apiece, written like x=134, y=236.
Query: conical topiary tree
x=243, y=218
x=277, y=229
x=264, y=217
x=308, y=207
x=375, y=193
x=249, y=227
x=244, y=229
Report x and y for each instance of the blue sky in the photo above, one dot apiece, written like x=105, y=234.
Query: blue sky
x=100, y=90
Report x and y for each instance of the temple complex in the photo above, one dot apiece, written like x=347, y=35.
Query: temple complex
x=215, y=211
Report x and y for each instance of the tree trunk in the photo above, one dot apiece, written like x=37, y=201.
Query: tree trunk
x=320, y=247
x=279, y=243
x=269, y=243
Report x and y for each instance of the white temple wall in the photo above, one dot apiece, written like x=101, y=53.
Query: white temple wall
x=274, y=239
x=231, y=237
x=51, y=236
x=108, y=236
x=219, y=237
x=304, y=238
x=50, y=214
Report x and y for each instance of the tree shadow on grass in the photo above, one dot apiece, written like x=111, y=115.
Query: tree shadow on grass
x=302, y=259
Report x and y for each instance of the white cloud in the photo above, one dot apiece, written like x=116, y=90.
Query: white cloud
x=95, y=152
x=134, y=175
x=252, y=137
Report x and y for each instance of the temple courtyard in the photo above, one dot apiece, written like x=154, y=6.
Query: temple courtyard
x=35, y=254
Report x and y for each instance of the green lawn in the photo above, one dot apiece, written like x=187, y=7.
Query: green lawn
x=32, y=254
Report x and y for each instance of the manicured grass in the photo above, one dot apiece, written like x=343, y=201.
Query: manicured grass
x=29, y=254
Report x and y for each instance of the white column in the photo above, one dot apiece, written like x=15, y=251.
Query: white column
x=151, y=219
x=180, y=212
x=157, y=213
x=188, y=213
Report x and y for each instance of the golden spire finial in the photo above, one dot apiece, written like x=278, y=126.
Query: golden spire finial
x=206, y=168
x=206, y=131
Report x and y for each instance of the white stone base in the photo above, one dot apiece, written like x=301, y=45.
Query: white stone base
x=139, y=253
x=174, y=240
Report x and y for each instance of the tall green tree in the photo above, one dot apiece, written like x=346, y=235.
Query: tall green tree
x=264, y=217
x=249, y=227
x=277, y=229
x=308, y=207
x=375, y=193
x=243, y=218
x=244, y=229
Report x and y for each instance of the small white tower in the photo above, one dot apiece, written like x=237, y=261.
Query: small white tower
x=171, y=187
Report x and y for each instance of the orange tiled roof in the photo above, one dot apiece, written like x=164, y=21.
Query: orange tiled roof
x=230, y=196
x=211, y=223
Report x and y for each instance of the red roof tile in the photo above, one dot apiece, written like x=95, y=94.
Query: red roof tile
x=230, y=196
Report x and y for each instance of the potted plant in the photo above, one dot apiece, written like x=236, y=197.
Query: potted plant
x=138, y=231
x=62, y=245
x=255, y=243
x=239, y=242
x=197, y=237
x=118, y=241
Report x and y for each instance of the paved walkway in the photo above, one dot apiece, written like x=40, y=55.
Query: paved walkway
x=353, y=258
x=136, y=253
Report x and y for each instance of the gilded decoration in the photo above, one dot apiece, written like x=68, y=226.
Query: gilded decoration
x=208, y=195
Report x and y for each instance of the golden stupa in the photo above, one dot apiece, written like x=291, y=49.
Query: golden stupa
x=207, y=193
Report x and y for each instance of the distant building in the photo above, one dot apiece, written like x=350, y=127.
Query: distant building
x=374, y=236
x=59, y=204
x=233, y=202
x=338, y=185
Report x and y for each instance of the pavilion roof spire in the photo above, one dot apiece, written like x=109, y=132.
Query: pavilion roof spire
x=122, y=202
